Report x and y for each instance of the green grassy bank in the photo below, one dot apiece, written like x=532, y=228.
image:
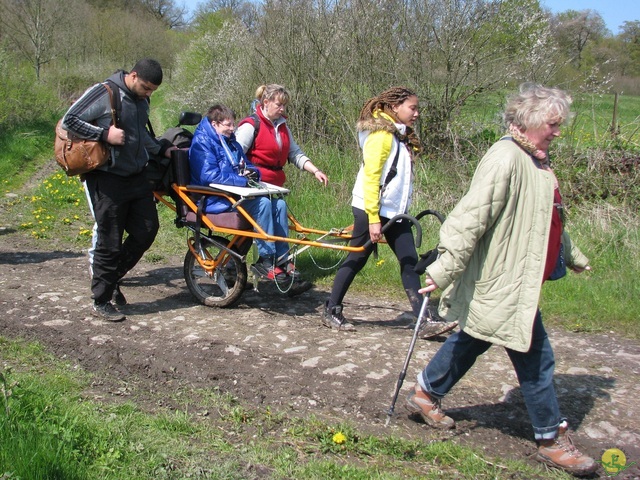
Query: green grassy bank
x=52, y=428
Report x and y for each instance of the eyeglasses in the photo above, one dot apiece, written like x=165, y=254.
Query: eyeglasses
x=227, y=124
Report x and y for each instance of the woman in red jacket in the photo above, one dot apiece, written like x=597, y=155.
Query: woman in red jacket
x=269, y=145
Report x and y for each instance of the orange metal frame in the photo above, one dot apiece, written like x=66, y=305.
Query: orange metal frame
x=239, y=236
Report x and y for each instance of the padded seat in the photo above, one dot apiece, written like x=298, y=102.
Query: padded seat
x=224, y=220
x=182, y=175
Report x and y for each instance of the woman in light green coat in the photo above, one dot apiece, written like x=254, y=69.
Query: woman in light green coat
x=499, y=244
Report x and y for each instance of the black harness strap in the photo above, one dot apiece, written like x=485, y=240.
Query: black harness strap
x=393, y=170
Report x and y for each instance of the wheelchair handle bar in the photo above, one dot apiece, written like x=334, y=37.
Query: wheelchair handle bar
x=400, y=216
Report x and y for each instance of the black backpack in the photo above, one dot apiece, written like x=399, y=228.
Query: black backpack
x=158, y=171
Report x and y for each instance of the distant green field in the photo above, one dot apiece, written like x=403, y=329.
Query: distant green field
x=590, y=126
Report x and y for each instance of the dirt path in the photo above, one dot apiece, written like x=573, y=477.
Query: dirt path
x=270, y=350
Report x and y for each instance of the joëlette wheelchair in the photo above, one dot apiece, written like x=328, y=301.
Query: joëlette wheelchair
x=215, y=265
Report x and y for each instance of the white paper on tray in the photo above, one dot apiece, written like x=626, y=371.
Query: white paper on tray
x=265, y=189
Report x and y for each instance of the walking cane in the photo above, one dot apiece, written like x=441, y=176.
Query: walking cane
x=403, y=373
x=425, y=260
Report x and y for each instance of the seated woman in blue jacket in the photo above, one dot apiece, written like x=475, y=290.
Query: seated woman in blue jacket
x=216, y=157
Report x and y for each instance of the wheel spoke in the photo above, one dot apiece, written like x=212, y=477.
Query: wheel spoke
x=227, y=283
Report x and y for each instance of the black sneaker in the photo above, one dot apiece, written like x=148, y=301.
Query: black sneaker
x=107, y=312
x=333, y=318
x=265, y=268
x=291, y=270
x=118, y=297
x=407, y=319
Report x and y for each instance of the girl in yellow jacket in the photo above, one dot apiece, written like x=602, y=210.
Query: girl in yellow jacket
x=382, y=190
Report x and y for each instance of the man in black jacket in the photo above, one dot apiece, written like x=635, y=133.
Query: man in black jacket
x=119, y=195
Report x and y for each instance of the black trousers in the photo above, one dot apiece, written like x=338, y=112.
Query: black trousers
x=119, y=204
x=400, y=240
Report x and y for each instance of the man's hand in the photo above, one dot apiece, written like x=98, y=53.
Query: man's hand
x=115, y=136
x=167, y=152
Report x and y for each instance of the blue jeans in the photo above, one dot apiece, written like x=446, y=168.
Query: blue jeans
x=271, y=214
x=534, y=370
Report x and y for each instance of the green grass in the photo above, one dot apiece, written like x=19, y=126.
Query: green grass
x=606, y=298
x=478, y=124
x=23, y=150
x=51, y=428
x=57, y=209
x=592, y=124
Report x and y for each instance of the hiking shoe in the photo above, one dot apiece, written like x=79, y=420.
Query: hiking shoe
x=430, y=328
x=291, y=270
x=433, y=325
x=421, y=403
x=265, y=268
x=107, y=312
x=333, y=318
x=118, y=297
x=561, y=453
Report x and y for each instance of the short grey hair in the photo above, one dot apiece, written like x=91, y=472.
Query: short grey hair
x=534, y=105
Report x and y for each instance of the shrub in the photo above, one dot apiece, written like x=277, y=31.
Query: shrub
x=597, y=174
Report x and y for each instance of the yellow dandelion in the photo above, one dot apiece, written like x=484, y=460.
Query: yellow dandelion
x=380, y=262
x=339, y=438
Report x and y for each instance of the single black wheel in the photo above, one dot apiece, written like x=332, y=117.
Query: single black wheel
x=227, y=282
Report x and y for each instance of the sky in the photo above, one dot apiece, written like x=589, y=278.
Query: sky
x=613, y=12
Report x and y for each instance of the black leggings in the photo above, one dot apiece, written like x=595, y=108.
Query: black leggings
x=400, y=240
